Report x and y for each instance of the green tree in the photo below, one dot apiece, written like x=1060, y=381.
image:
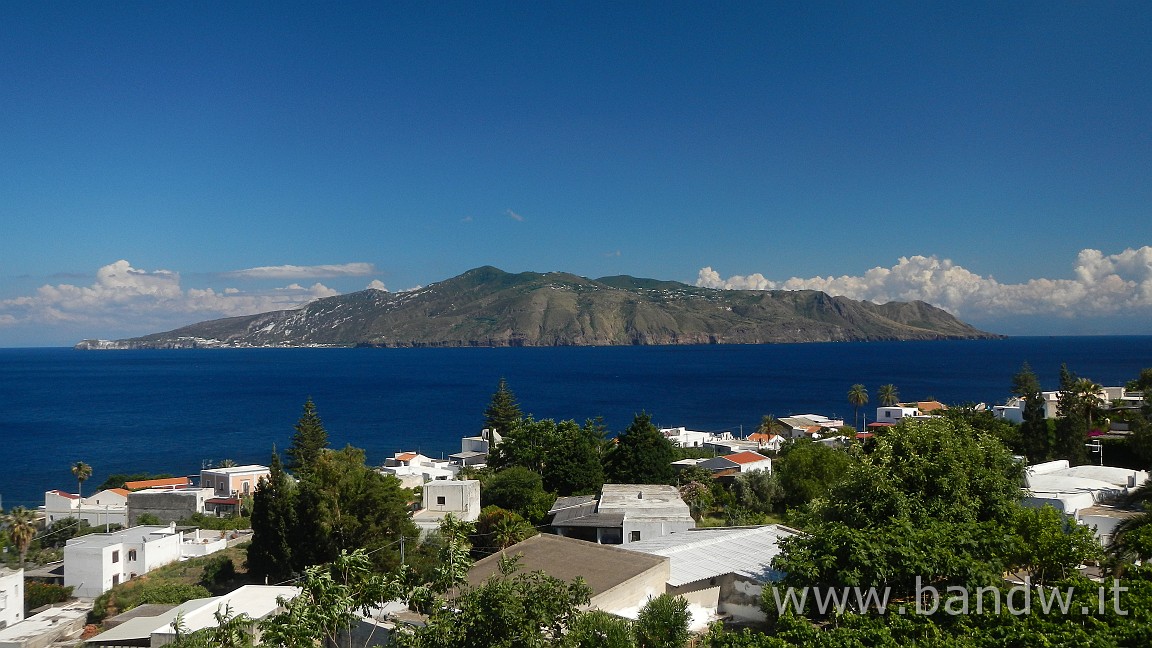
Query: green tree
x=512, y=609
x=758, y=491
x=273, y=524
x=663, y=622
x=520, y=490
x=597, y=629
x=343, y=505
x=888, y=395
x=573, y=463
x=21, y=529
x=857, y=397
x=503, y=412
x=82, y=472
x=498, y=528
x=807, y=469
x=642, y=455
x=1077, y=406
x=331, y=599
x=1052, y=545
x=1035, y=433
x=531, y=444
x=309, y=441
x=934, y=500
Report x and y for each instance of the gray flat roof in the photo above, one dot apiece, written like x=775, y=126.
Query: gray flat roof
x=603, y=567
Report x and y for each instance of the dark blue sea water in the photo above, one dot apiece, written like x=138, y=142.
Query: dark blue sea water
x=168, y=411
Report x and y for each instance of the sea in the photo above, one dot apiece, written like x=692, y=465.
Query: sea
x=177, y=411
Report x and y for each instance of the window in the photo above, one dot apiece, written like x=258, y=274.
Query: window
x=635, y=536
x=440, y=501
x=246, y=488
x=131, y=554
x=115, y=580
x=116, y=556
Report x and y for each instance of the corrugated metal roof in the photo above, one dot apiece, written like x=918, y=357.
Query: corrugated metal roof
x=700, y=554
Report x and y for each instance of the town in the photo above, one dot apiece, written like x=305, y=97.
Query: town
x=651, y=537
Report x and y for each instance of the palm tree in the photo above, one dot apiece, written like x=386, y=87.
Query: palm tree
x=1088, y=395
x=888, y=395
x=82, y=471
x=858, y=396
x=1132, y=538
x=21, y=528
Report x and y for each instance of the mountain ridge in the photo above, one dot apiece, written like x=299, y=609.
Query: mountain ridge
x=488, y=307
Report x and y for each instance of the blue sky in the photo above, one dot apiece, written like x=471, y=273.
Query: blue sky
x=166, y=163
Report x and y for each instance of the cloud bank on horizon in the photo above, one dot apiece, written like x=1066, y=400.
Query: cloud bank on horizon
x=126, y=298
x=1116, y=284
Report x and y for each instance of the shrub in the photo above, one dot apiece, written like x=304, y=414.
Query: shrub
x=37, y=594
x=219, y=569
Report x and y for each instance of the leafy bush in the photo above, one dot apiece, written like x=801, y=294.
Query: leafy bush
x=144, y=590
x=148, y=519
x=213, y=523
x=37, y=594
x=219, y=569
x=663, y=623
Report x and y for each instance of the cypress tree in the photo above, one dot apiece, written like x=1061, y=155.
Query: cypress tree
x=642, y=455
x=308, y=441
x=503, y=414
x=1034, y=430
x=273, y=522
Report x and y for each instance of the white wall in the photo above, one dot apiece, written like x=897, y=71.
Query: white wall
x=11, y=596
x=94, y=563
x=460, y=497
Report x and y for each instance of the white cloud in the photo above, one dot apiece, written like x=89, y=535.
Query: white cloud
x=1103, y=285
x=376, y=284
x=129, y=298
x=514, y=216
x=305, y=272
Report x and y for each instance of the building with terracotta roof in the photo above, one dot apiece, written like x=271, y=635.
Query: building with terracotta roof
x=163, y=482
x=769, y=442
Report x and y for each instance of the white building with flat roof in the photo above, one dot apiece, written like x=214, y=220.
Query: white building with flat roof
x=1083, y=492
x=95, y=563
x=623, y=513
x=458, y=497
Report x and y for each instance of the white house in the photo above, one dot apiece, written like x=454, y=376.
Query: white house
x=769, y=442
x=94, y=564
x=11, y=596
x=623, y=513
x=685, y=438
x=892, y=414
x=474, y=450
x=1082, y=492
x=750, y=461
x=808, y=425
x=414, y=469
x=109, y=506
x=461, y=498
